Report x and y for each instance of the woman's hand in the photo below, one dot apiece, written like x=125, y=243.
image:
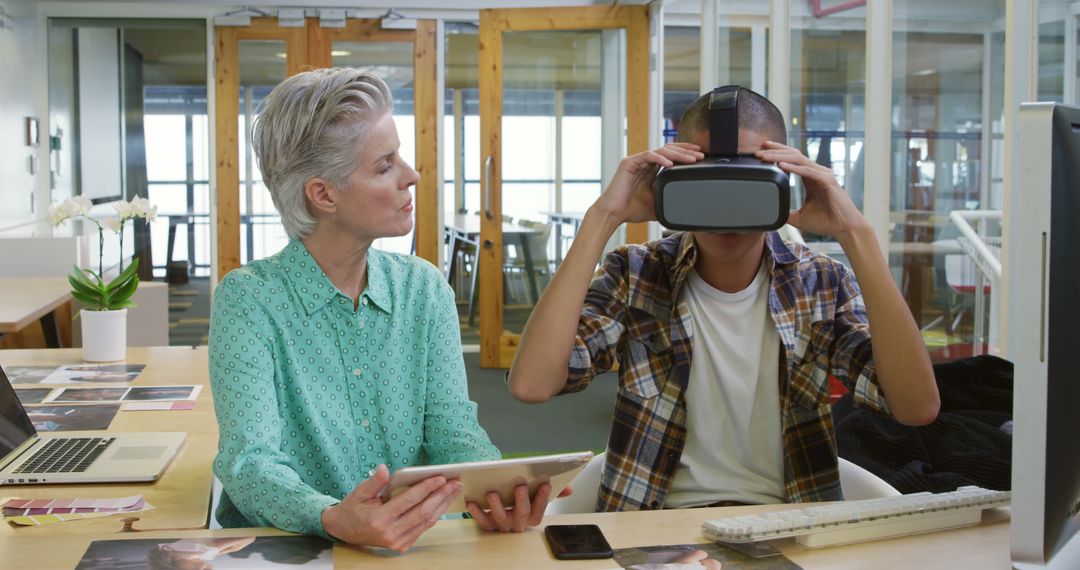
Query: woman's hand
x=524, y=514
x=362, y=518
x=827, y=209
x=629, y=195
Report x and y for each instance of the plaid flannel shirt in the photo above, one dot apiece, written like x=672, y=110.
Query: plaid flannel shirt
x=632, y=315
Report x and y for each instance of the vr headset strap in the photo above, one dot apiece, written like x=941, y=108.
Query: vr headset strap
x=724, y=121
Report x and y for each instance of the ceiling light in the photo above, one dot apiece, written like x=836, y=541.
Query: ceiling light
x=340, y=53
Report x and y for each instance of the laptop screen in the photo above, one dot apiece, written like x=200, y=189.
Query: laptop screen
x=15, y=426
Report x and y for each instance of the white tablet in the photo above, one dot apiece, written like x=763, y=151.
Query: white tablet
x=502, y=476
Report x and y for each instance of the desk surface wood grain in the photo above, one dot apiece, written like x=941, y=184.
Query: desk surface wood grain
x=181, y=497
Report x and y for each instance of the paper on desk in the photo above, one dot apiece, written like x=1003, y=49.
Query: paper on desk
x=147, y=406
x=30, y=512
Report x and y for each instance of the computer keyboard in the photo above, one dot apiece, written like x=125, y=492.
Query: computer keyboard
x=858, y=521
x=66, y=455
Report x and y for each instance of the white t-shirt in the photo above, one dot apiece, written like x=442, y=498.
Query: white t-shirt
x=733, y=443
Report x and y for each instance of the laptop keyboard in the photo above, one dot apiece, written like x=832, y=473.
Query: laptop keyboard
x=66, y=455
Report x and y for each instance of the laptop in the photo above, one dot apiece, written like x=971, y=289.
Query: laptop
x=27, y=459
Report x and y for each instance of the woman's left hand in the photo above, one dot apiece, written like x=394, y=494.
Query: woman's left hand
x=524, y=514
x=827, y=209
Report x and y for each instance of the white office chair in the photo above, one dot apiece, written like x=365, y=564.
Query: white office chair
x=856, y=483
x=215, y=498
x=586, y=487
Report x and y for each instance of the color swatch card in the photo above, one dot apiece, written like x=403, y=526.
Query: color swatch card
x=36, y=512
x=14, y=507
x=159, y=406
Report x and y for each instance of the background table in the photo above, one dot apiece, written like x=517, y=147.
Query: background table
x=24, y=300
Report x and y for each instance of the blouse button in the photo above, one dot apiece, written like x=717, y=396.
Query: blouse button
x=364, y=422
x=356, y=372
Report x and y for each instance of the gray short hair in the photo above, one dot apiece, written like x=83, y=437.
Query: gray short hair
x=310, y=126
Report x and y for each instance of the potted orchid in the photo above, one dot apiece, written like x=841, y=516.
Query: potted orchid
x=104, y=319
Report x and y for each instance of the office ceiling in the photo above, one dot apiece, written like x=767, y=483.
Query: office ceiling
x=178, y=56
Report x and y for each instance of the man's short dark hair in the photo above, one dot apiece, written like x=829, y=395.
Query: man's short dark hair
x=756, y=113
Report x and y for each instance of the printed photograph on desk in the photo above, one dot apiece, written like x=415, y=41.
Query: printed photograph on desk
x=32, y=395
x=661, y=556
x=28, y=374
x=160, y=393
x=72, y=418
x=94, y=374
x=75, y=395
x=209, y=553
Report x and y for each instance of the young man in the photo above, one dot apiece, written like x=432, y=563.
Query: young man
x=725, y=340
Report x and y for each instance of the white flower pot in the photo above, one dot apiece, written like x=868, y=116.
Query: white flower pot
x=104, y=335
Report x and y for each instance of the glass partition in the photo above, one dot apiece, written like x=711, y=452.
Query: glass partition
x=943, y=107
x=682, y=68
x=262, y=67
x=392, y=61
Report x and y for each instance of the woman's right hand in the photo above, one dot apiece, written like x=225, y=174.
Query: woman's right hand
x=629, y=195
x=363, y=519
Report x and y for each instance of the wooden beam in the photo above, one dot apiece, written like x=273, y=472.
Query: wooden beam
x=227, y=108
x=427, y=230
x=637, y=97
x=371, y=31
x=490, y=257
x=296, y=52
x=578, y=18
x=319, y=44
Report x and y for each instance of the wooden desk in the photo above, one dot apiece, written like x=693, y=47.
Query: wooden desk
x=24, y=300
x=181, y=497
x=458, y=544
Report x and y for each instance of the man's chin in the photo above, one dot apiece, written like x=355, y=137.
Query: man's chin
x=727, y=243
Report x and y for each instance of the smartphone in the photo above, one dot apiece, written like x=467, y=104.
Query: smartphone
x=577, y=542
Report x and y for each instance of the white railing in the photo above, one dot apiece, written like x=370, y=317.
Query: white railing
x=985, y=253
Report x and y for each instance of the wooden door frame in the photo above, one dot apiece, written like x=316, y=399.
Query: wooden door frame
x=497, y=348
x=309, y=47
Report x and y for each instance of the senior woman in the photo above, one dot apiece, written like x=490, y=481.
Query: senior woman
x=332, y=362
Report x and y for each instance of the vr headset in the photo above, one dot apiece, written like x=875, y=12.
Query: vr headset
x=725, y=190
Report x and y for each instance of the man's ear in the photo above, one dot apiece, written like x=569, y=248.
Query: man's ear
x=321, y=196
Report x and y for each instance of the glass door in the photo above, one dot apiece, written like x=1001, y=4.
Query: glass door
x=251, y=60
x=248, y=65
x=563, y=95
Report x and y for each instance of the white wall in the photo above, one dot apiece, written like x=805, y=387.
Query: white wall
x=19, y=65
x=99, y=113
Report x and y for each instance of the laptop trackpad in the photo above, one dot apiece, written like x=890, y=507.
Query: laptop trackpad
x=139, y=452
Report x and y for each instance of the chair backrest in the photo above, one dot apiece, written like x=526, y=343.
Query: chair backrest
x=586, y=488
x=538, y=241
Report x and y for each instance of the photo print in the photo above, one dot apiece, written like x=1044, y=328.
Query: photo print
x=264, y=552
x=32, y=395
x=28, y=374
x=72, y=418
x=94, y=374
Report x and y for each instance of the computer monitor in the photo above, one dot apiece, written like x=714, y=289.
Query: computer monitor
x=1042, y=268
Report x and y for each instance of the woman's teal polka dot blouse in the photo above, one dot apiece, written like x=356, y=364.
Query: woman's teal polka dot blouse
x=312, y=394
